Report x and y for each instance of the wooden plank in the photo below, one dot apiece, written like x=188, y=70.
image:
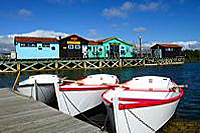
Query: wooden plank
x=22, y=114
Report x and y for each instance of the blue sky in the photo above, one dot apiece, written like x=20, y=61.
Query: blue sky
x=155, y=20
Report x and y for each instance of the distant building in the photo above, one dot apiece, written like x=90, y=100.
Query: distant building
x=166, y=50
x=36, y=48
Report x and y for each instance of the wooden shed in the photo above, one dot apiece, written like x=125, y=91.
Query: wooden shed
x=166, y=50
x=73, y=46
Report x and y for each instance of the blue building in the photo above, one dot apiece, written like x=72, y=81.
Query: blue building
x=36, y=48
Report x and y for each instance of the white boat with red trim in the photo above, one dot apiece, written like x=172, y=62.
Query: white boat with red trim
x=40, y=87
x=142, y=105
x=82, y=95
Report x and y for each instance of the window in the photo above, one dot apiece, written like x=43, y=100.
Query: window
x=53, y=48
x=32, y=44
x=45, y=45
x=23, y=44
x=39, y=48
x=70, y=46
x=77, y=47
x=168, y=49
x=122, y=47
x=28, y=44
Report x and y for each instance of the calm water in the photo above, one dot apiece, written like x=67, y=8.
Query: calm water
x=188, y=73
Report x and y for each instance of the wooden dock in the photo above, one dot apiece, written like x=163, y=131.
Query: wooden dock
x=22, y=114
x=54, y=65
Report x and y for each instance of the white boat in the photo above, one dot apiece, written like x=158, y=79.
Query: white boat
x=83, y=95
x=142, y=105
x=40, y=87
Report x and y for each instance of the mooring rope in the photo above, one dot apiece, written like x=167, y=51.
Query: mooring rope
x=66, y=103
x=41, y=91
x=142, y=121
x=104, y=125
x=127, y=122
x=81, y=112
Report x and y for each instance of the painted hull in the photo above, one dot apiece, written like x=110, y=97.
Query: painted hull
x=76, y=98
x=40, y=88
x=141, y=120
x=76, y=102
x=141, y=111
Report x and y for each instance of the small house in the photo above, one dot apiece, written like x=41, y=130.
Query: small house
x=166, y=50
x=73, y=46
x=116, y=48
x=36, y=48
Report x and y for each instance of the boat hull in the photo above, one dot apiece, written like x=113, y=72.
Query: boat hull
x=76, y=102
x=42, y=92
x=140, y=120
x=40, y=88
x=144, y=107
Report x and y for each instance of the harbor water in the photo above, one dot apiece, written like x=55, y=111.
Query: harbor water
x=187, y=73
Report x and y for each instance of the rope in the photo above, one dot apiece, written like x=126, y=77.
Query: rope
x=66, y=103
x=127, y=122
x=81, y=112
x=41, y=91
x=142, y=121
x=104, y=125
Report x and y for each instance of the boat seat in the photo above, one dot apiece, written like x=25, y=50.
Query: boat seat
x=100, y=79
x=150, y=83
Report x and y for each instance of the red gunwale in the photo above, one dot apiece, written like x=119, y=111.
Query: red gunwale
x=138, y=103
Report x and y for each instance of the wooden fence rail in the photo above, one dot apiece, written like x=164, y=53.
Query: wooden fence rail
x=39, y=65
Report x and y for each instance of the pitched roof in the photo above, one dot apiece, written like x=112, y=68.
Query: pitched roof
x=110, y=38
x=35, y=39
x=94, y=43
x=105, y=39
x=166, y=45
x=72, y=35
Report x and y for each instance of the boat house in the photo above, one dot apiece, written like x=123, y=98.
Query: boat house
x=114, y=48
x=166, y=50
x=36, y=48
x=73, y=46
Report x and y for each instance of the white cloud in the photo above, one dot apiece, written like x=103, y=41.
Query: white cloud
x=128, y=6
x=121, y=11
x=152, y=6
x=189, y=44
x=24, y=13
x=41, y=33
x=7, y=41
x=138, y=29
x=92, y=33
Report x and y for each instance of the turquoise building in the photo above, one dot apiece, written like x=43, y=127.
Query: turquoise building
x=116, y=48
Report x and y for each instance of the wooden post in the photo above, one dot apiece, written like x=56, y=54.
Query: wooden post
x=56, y=64
x=84, y=64
x=143, y=61
x=120, y=62
x=18, y=67
x=100, y=63
x=17, y=78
